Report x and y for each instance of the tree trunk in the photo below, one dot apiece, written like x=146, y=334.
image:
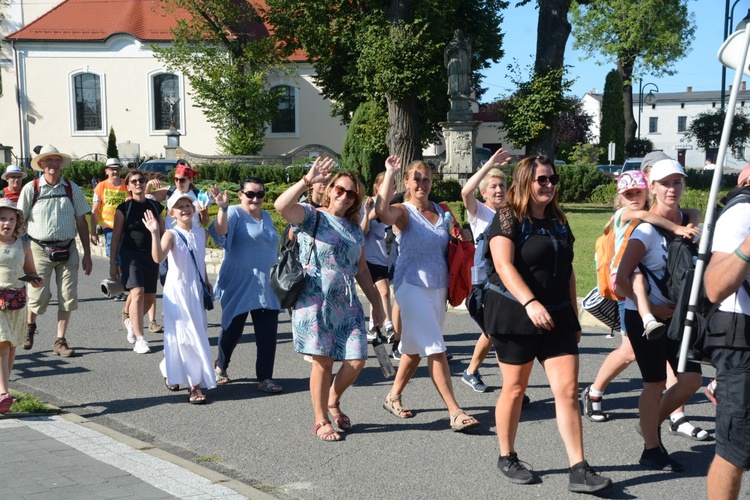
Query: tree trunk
x=552, y=31
x=403, y=137
x=626, y=73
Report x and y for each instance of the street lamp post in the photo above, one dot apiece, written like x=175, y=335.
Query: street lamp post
x=649, y=99
x=728, y=23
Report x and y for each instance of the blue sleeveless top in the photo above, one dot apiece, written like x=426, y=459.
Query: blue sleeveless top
x=423, y=251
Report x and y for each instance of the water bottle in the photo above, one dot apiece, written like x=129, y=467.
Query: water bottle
x=448, y=221
x=378, y=345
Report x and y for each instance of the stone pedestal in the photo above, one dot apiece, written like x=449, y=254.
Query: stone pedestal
x=460, y=138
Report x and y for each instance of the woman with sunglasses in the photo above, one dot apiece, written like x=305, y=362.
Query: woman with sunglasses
x=138, y=271
x=328, y=321
x=183, y=183
x=531, y=313
x=420, y=281
x=251, y=246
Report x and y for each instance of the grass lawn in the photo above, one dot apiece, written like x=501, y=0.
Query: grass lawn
x=587, y=222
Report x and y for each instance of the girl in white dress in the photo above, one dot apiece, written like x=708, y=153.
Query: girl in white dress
x=187, y=354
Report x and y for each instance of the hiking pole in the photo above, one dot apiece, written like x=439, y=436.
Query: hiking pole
x=736, y=45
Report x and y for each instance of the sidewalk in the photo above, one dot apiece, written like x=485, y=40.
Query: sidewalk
x=68, y=457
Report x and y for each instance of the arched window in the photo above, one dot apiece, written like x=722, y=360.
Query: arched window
x=285, y=121
x=88, y=102
x=166, y=105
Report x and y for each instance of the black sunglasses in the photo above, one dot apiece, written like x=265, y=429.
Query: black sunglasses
x=139, y=180
x=351, y=194
x=254, y=194
x=543, y=179
x=181, y=179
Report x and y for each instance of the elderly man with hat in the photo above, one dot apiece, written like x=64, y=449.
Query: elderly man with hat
x=55, y=210
x=14, y=176
x=108, y=194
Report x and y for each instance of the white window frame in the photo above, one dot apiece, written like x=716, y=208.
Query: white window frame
x=72, y=96
x=181, y=105
x=295, y=134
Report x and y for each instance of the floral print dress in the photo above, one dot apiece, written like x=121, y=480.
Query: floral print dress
x=328, y=318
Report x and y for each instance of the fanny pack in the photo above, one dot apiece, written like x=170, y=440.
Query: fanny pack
x=13, y=299
x=55, y=252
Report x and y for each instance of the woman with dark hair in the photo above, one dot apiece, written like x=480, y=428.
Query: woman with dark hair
x=138, y=271
x=531, y=313
x=251, y=246
x=328, y=321
x=420, y=281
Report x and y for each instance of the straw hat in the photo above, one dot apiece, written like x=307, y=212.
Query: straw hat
x=47, y=151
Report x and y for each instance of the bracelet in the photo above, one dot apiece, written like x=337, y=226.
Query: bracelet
x=741, y=255
x=307, y=183
x=532, y=299
x=224, y=209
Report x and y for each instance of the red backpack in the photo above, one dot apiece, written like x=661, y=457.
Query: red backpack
x=460, y=262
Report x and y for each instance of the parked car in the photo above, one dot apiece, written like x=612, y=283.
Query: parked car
x=163, y=167
x=611, y=171
x=632, y=164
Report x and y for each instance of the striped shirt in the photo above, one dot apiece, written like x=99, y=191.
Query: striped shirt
x=53, y=216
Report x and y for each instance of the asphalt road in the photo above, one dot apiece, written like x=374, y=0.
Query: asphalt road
x=266, y=440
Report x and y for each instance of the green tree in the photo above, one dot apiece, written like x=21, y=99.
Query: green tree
x=612, y=126
x=112, y=151
x=644, y=38
x=389, y=52
x=364, y=149
x=706, y=129
x=227, y=55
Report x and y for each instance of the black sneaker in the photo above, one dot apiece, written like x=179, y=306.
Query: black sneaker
x=584, y=479
x=587, y=401
x=658, y=458
x=513, y=469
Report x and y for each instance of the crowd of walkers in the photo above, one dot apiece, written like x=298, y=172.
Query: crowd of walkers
x=525, y=246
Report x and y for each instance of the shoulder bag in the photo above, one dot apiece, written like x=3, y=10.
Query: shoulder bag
x=287, y=276
x=208, y=299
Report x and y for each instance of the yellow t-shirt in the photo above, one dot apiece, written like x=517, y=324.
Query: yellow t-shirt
x=109, y=197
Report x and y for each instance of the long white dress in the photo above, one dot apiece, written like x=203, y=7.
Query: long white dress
x=187, y=353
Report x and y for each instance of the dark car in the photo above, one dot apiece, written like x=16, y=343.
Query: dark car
x=163, y=167
x=611, y=171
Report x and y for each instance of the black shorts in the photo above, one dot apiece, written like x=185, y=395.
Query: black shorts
x=652, y=356
x=732, y=405
x=520, y=349
x=377, y=272
x=138, y=270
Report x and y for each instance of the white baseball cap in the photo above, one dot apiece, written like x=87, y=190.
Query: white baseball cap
x=665, y=168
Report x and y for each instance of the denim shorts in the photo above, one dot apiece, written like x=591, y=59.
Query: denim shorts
x=732, y=405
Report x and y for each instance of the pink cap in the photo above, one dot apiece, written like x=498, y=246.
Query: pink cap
x=743, y=175
x=631, y=179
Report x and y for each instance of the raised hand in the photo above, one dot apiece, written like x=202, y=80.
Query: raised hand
x=153, y=185
x=320, y=171
x=151, y=223
x=221, y=199
x=500, y=158
x=393, y=163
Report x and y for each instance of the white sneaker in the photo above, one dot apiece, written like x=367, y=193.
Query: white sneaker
x=141, y=346
x=131, y=333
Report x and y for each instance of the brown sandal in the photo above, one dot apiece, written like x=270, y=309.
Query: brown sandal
x=465, y=423
x=393, y=405
x=342, y=421
x=329, y=436
x=173, y=387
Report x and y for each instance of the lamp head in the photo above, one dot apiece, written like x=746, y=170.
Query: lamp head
x=650, y=98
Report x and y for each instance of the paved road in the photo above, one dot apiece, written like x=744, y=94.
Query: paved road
x=266, y=441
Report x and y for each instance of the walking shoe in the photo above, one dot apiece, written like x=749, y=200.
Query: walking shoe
x=155, y=327
x=588, y=407
x=6, y=401
x=584, y=479
x=28, y=342
x=394, y=352
x=654, y=330
x=372, y=334
x=61, y=348
x=141, y=346
x=474, y=380
x=390, y=334
x=658, y=458
x=131, y=334
x=119, y=298
x=513, y=469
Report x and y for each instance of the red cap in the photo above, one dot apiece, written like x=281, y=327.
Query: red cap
x=186, y=170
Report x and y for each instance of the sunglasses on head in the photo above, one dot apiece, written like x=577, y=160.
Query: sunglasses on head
x=139, y=180
x=254, y=194
x=351, y=194
x=552, y=179
x=181, y=179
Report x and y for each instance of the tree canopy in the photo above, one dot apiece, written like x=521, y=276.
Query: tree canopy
x=390, y=53
x=643, y=37
x=227, y=55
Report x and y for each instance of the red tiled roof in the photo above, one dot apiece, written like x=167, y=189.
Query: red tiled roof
x=97, y=20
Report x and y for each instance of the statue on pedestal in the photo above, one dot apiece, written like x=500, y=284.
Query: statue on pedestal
x=458, y=62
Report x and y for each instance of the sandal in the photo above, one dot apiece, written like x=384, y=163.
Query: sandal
x=588, y=407
x=196, y=398
x=6, y=401
x=329, y=436
x=269, y=386
x=393, y=405
x=711, y=391
x=464, y=424
x=174, y=387
x=342, y=421
x=221, y=376
x=674, y=428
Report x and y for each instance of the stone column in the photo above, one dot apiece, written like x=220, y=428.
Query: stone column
x=460, y=137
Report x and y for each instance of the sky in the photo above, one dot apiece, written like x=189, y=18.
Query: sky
x=699, y=69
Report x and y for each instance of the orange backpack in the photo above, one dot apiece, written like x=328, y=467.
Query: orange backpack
x=606, y=260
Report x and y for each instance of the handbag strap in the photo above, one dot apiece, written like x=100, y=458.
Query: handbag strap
x=315, y=232
x=192, y=255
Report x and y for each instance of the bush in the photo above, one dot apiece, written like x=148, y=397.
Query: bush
x=577, y=182
x=604, y=194
x=446, y=190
